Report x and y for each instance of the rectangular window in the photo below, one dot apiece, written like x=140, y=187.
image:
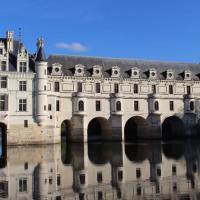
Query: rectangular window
x=120, y=175
x=3, y=103
x=173, y=170
x=57, y=105
x=136, y=105
x=188, y=89
x=58, y=180
x=116, y=88
x=98, y=105
x=25, y=165
x=4, y=189
x=157, y=188
x=138, y=173
x=153, y=89
x=174, y=187
x=1, y=51
x=25, y=123
x=100, y=196
x=99, y=177
x=22, y=85
x=158, y=172
x=171, y=89
x=80, y=87
x=22, y=67
x=135, y=88
x=22, y=105
x=3, y=82
x=81, y=196
x=50, y=180
x=171, y=105
x=56, y=86
x=98, y=88
x=49, y=107
x=139, y=190
x=3, y=65
x=22, y=185
x=82, y=179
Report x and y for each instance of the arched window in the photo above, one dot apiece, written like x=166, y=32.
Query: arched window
x=156, y=105
x=118, y=106
x=192, y=105
x=81, y=106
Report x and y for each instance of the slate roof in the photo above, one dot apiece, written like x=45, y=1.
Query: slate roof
x=69, y=62
x=40, y=55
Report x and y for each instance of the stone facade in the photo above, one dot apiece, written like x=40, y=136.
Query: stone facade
x=39, y=96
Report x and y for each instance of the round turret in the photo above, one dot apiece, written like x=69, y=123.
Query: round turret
x=41, y=83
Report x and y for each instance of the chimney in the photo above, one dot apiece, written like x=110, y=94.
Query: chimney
x=10, y=37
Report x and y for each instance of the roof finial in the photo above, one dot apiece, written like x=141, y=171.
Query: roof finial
x=40, y=42
x=20, y=34
x=40, y=50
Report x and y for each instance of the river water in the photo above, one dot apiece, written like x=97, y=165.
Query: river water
x=146, y=170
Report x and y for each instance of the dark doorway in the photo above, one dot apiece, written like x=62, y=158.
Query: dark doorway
x=136, y=128
x=3, y=144
x=99, y=129
x=173, y=128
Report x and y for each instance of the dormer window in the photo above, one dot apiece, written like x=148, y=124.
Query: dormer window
x=56, y=69
x=170, y=74
x=97, y=71
x=79, y=70
x=135, y=73
x=115, y=71
x=187, y=75
x=22, y=67
x=152, y=74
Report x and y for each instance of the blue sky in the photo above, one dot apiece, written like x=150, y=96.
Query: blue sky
x=166, y=30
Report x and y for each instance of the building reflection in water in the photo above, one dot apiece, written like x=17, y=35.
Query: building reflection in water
x=102, y=171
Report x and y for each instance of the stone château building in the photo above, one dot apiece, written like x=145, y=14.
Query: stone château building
x=93, y=98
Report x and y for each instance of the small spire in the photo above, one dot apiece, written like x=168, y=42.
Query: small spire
x=40, y=43
x=40, y=50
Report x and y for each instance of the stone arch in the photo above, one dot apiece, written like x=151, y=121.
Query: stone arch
x=173, y=128
x=3, y=142
x=136, y=128
x=99, y=128
x=66, y=130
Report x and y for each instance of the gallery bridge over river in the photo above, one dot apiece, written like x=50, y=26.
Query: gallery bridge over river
x=135, y=128
x=89, y=98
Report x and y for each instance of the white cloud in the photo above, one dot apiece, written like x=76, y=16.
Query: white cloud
x=75, y=46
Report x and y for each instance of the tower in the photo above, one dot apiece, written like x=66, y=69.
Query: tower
x=41, y=83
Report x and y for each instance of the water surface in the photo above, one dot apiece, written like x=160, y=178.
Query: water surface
x=147, y=170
